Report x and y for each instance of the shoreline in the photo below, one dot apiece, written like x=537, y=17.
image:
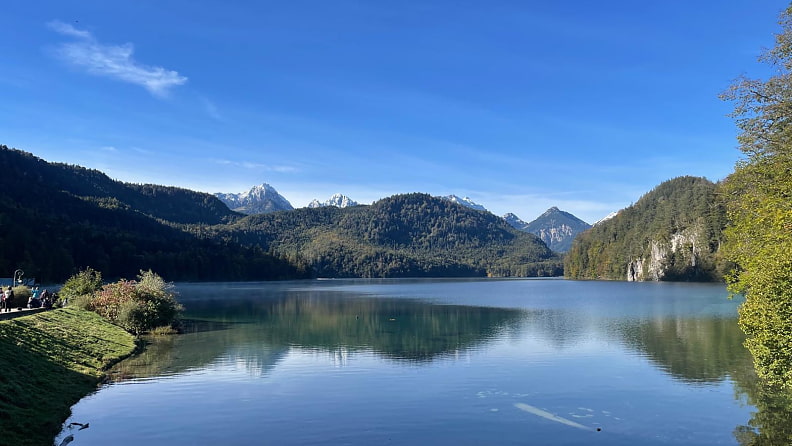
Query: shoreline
x=49, y=360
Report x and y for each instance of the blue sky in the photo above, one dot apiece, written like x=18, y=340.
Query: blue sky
x=520, y=105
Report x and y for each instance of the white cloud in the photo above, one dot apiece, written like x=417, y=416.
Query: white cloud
x=114, y=61
x=257, y=166
x=68, y=30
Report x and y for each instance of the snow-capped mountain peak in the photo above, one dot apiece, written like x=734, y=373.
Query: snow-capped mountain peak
x=467, y=202
x=258, y=200
x=515, y=221
x=606, y=218
x=337, y=200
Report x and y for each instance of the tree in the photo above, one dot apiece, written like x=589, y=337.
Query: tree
x=758, y=197
x=84, y=283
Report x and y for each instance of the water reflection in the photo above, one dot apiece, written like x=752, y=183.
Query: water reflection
x=201, y=344
x=261, y=331
x=694, y=350
x=620, y=360
x=770, y=424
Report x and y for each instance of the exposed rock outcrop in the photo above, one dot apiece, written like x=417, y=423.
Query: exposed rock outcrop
x=680, y=253
x=672, y=233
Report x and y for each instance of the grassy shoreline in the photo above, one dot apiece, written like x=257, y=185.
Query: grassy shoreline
x=48, y=362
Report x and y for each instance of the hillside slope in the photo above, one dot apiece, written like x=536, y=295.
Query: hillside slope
x=56, y=219
x=48, y=362
x=673, y=232
x=25, y=175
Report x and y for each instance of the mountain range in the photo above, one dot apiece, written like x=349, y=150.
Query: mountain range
x=58, y=219
x=555, y=227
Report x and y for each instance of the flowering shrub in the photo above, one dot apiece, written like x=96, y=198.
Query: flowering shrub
x=137, y=306
x=109, y=300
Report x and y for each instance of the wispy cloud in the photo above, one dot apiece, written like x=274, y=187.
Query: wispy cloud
x=68, y=30
x=114, y=61
x=211, y=109
x=258, y=166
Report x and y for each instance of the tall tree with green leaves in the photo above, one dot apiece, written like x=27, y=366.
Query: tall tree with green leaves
x=758, y=197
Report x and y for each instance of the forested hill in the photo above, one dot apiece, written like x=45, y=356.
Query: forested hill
x=673, y=232
x=22, y=175
x=404, y=235
x=56, y=219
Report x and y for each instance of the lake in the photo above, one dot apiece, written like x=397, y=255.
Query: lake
x=436, y=361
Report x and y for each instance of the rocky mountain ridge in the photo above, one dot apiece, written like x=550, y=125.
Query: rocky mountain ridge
x=337, y=200
x=259, y=199
x=555, y=227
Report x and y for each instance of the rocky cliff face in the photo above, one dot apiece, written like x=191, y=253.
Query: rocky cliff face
x=681, y=253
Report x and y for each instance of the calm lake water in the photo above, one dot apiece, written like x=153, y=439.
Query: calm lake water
x=427, y=362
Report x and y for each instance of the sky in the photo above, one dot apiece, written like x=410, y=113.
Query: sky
x=519, y=105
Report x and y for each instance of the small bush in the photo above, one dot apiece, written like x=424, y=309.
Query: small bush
x=85, y=282
x=21, y=295
x=83, y=302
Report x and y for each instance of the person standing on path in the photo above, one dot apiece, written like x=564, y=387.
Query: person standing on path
x=9, y=299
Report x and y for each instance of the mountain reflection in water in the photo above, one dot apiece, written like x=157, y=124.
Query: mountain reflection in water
x=396, y=361
x=260, y=331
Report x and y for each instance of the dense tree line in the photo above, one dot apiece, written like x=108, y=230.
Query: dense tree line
x=759, y=202
x=684, y=210
x=50, y=231
x=29, y=180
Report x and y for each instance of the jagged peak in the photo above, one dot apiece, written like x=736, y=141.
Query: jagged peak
x=337, y=200
x=258, y=199
x=467, y=202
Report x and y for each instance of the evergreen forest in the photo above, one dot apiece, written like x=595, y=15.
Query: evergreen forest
x=57, y=219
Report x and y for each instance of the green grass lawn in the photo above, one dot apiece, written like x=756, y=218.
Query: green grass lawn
x=48, y=362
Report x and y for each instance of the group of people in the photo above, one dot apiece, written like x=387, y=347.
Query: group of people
x=38, y=299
